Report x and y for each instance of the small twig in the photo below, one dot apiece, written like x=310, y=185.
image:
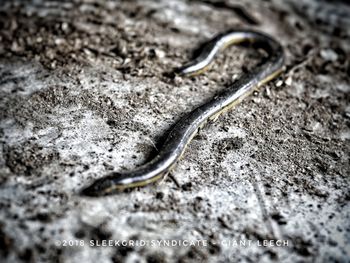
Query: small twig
x=301, y=63
x=174, y=180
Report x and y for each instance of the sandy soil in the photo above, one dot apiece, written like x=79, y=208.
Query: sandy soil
x=86, y=88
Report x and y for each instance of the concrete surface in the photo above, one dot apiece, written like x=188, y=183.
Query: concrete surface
x=85, y=89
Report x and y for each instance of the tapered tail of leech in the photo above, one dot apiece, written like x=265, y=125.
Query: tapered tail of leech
x=186, y=128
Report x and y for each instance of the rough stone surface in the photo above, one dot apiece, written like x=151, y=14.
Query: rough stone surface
x=85, y=88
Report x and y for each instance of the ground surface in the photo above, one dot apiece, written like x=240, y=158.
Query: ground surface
x=85, y=89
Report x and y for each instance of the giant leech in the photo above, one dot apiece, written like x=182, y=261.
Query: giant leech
x=187, y=127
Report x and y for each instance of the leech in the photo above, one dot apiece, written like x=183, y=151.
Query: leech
x=187, y=127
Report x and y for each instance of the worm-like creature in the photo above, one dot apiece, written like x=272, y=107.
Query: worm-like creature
x=187, y=127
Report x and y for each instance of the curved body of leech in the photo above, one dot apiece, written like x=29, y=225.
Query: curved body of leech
x=187, y=127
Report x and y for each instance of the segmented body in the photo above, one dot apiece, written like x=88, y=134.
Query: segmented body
x=187, y=127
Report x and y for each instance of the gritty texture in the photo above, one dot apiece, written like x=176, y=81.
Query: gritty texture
x=86, y=88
